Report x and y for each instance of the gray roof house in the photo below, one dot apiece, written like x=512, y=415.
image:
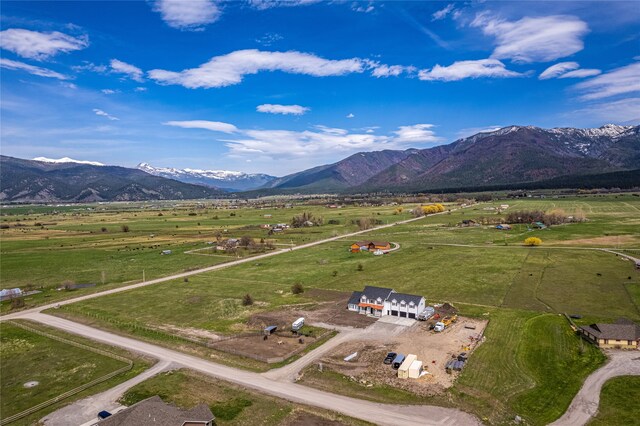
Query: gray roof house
x=155, y=412
x=623, y=334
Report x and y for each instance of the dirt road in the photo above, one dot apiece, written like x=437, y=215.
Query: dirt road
x=585, y=405
x=383, y=414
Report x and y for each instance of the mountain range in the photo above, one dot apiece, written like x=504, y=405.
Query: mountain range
x=222, y=179
x=514, y=154
x=511, y=157
x=64, y=181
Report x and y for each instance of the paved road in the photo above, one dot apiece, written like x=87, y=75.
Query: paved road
x=208, y=269
x=383, y=414
x=585, y=405
x=85, y=410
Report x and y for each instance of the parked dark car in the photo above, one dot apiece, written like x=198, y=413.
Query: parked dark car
x=389, y=358
x=103, y=414
x=397, y=361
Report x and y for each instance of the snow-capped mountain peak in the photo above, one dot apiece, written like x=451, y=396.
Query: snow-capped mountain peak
x=232, y=180
x=66, y=160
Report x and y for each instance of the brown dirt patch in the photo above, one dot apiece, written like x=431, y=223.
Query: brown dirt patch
x=280, y=344
x=368, y=368
x=331, y=308
x=600, y=241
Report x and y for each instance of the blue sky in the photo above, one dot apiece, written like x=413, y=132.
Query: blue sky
x=280, y=86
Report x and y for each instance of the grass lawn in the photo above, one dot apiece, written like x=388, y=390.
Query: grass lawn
x=57, y=366
x=619, y=402
x=230, y=404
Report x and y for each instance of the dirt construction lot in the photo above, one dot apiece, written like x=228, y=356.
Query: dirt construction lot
x=276, y=345
x=433, y=349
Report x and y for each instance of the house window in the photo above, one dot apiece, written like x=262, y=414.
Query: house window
x=363, y=298
x=394, y=302
x=379, y=301
x=403, y=303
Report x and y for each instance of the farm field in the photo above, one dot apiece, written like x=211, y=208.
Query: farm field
x=530, y=364
x=45, y=248
x=619, y=402
x=57, y=367
x=230, y=404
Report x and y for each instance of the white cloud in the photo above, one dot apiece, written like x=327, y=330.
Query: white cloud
x=140, y=89
x=269, y=4
x=105, y=114
x=620, y=111
x=558, y=69
x=187, y=14
x=90, y=66
x=131, y=71
x=31, y=69
x=581, y=73
x=282, y=109
x=363, y=7
x=230, y=69
x=316, y=142
x=442, y=13
x=215, y=126
x=541, y=39
x=269, y=38
x=351, y=115
x=109, y=91
x=567, y=70
x=619, y=81
x=391, y=70
x=468, y=69
x=39, y=46
x=417, y=133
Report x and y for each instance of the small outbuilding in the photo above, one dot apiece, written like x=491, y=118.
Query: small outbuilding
x=270, y=329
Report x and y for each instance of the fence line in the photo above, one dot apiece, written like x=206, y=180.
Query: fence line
x=76, y=390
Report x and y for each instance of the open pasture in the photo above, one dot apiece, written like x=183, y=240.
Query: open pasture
x=57, y=367
x=111, y=244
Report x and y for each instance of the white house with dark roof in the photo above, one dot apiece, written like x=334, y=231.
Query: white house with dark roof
x=379, y=301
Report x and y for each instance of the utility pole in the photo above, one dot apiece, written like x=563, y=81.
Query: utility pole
x=143, y=280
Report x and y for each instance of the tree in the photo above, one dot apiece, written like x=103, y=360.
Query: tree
x=125, y=228
x=246, y=241
x=532, y=241
x=360, y=267
x=297, y=288
x=247, y=300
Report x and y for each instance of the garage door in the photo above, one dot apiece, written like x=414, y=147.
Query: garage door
x=394, y=313
x=412, y=316
x=403, y=314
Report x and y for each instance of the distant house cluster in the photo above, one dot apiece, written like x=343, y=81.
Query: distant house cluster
x=278, y=227
x=623, y=334
x=379, y=301
x=372, y=246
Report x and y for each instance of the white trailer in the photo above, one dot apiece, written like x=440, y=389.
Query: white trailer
x=297, y=324
x=415, y=369
x=403, y=371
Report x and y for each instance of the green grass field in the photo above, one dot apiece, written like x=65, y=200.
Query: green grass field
x=619, y=402
x=530, y=364
x=230, y=404
x=57, y=366
x=44, y=247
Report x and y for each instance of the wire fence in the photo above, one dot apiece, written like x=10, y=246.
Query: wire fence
x=76, y=390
